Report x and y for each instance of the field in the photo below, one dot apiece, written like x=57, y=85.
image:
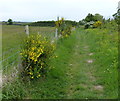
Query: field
x=12, y=37
x=86, y=66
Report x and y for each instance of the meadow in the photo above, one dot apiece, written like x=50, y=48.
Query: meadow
x=86, y=66
x=12, y=38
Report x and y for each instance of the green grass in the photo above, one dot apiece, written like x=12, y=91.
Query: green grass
x=104, y=45
x=53, y=85
x=12, y=36
x=72, y=76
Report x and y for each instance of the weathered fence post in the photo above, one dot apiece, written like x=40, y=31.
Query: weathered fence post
x=27, y=29
x=56, y=30
x=56, y=33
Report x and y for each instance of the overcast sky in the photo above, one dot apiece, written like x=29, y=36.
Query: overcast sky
x=36, y=10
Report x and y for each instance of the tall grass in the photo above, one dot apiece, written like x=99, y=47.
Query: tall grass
x=104, y=45
x=12, y=36
x=52, y=86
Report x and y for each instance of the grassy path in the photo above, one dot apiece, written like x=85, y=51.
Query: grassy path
x=73, y=76
x=80, y=72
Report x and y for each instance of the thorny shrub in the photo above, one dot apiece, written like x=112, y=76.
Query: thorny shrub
x=97, y=24
x=36, y=52
x=64, y=29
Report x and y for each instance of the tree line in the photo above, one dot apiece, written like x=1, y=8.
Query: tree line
x=89, y=19
x=51, y=23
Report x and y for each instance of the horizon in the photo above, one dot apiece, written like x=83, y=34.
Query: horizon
x=50, y=20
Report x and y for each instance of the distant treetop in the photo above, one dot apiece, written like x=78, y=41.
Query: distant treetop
x=10, y=22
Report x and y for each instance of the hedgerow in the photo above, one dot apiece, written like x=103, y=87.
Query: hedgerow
x=64, y=29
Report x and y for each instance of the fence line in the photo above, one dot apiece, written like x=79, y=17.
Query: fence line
x=9, y=65
x=12, y=55
x=9, y=57
x=9, y=51
x=27, y=29
x=16, y=62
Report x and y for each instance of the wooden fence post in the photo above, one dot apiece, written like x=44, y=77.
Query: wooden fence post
x=56, y=33
x=56, y=30
x=27, y=29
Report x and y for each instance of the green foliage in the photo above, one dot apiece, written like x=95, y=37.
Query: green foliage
x=51, y=23
x=54, y=84
x=91, y=17
x=14, y=90
x=12, y=36
x=64, y=29
x=86, y=26
x=82, y=22
x=10, y=22
x=43, y=23
x=106, y=53
x=117, y=16
x=72, y=76
x=103, y=43
x=89, y=25
x=36, y=51
x=98, y=17
x=72, y=23
x=93, y=24
x=92, y=21
x=97, y=24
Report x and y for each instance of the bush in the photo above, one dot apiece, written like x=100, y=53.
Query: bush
x=67, y=31
x=10, y=22
x=86, y=26
x=43, y=23
x=36, y=52
x=97, y=24
x=64, y=29
x=89, y=25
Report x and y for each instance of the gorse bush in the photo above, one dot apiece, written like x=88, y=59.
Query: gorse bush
x=36, y=51
x=97, y=24
x=64, y=29
x=93, y=24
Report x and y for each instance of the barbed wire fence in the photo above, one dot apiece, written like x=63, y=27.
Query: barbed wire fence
x=11, y=60
x=11, y=65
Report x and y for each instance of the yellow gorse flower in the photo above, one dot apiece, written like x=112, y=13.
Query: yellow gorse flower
x=39, y=75
x=33, y=48
x=32, y=77
x=32, y=53
x=30, y=73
